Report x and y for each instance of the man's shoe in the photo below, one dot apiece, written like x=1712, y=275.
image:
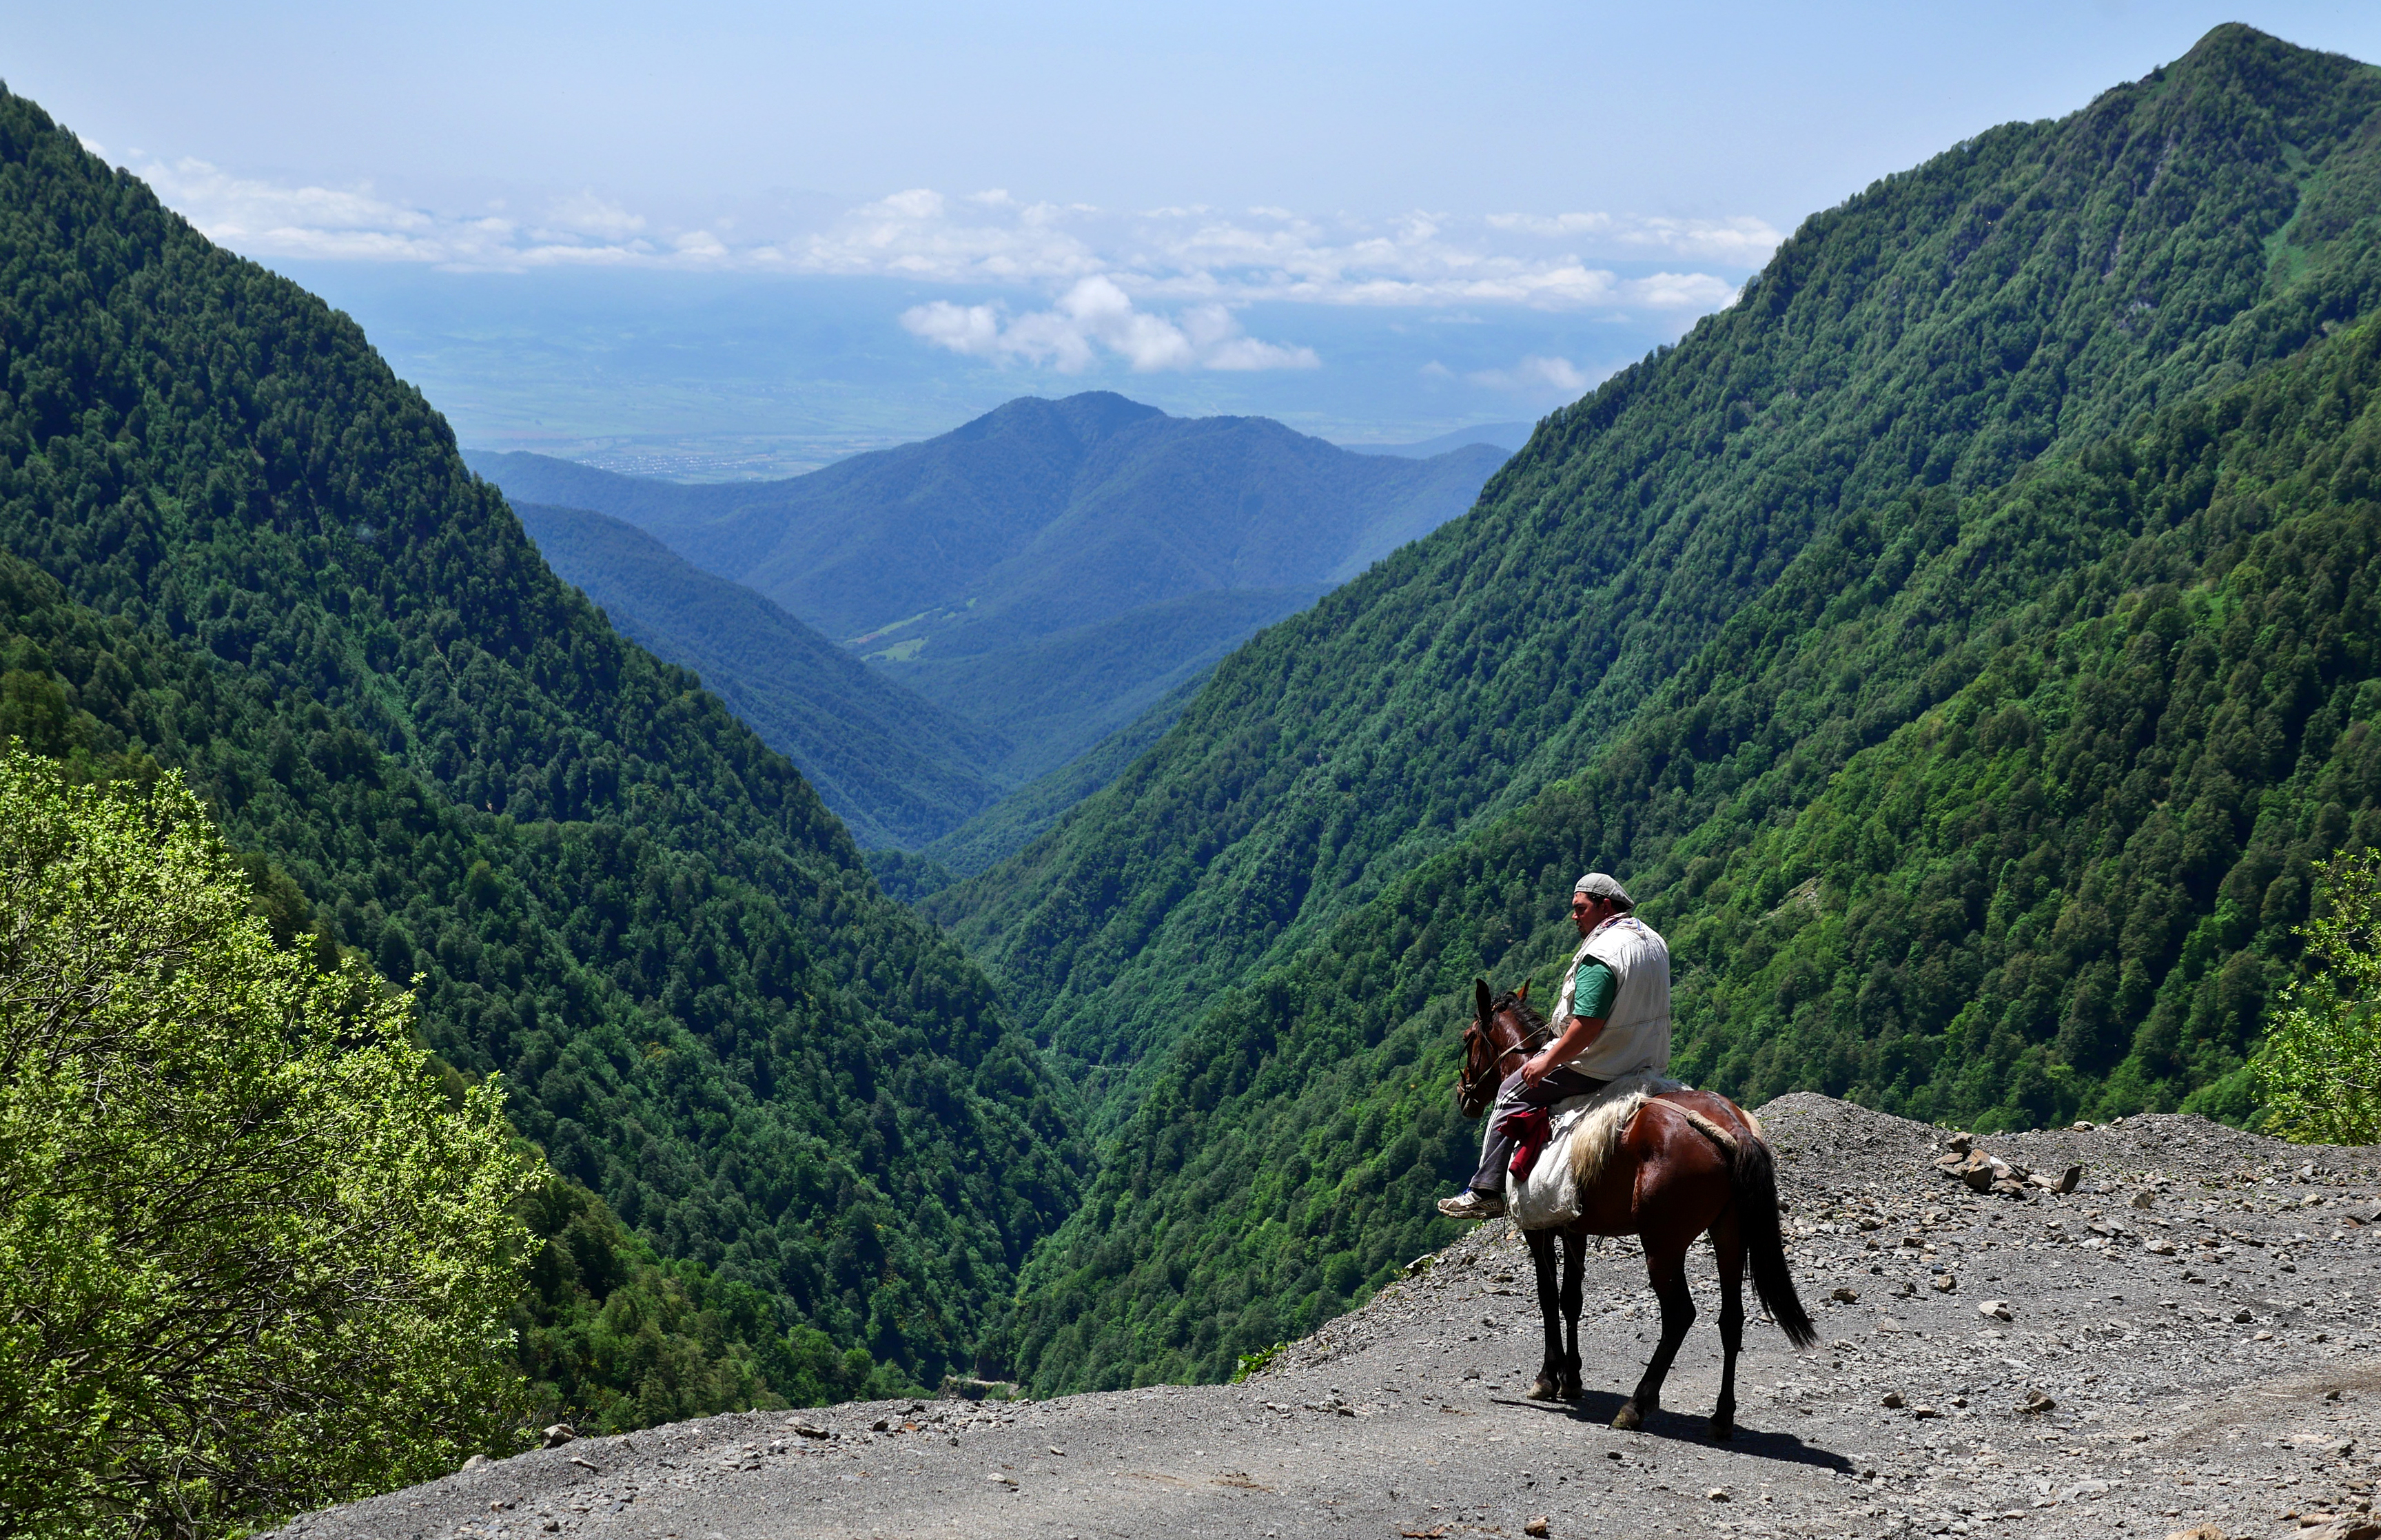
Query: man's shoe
x=1471, y=1203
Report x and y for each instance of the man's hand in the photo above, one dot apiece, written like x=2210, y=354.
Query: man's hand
x=1577, y=1033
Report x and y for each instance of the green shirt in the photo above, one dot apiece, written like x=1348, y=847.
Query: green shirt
x=1592, y=991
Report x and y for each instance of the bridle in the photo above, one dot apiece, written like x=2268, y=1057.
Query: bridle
x=1496, y=1034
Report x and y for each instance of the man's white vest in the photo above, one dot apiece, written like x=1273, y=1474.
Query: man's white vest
x=1636, y=1036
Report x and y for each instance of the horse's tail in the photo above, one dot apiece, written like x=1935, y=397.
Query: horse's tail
x=1753, y=1178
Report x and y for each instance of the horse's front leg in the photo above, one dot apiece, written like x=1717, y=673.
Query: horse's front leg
x=1542, y=1254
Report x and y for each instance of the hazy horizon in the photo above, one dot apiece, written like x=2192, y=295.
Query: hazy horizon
x=747, y=240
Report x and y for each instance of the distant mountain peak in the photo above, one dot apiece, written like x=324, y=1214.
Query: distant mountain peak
x=1054, y=566
x=1091, y=415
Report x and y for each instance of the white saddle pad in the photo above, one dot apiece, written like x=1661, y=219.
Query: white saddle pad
x=1585, y=1129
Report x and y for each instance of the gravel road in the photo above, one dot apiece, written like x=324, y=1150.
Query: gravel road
x=2234, y=1384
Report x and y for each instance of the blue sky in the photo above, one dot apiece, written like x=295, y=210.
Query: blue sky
x=753, y=236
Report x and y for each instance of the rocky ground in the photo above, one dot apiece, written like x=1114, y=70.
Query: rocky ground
x=2192, y=1329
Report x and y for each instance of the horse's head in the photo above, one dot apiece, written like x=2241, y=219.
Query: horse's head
x=1502, y=1031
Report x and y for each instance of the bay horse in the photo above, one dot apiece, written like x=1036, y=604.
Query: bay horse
x=1688, y=1163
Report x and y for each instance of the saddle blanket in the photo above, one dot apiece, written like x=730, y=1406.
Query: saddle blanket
x=1585, y=1129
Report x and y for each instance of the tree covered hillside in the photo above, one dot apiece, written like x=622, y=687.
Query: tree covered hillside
x=896, y=770
x=2030, y=291
x=238, y=545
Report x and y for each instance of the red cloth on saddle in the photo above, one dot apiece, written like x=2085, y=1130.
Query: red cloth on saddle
x=1529, y=1129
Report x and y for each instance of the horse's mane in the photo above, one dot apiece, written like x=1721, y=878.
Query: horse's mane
x=1522, y=1008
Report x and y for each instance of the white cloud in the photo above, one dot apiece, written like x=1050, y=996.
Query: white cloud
x=1742, y=241
x=1699, y=291
x=585, y=214
x=1535, y=377
x=1551, y=224
x=1096, y=314
x=991, y=238
x=918, y=202
x=261, y=218
x=1156, y=290
x=918, y=235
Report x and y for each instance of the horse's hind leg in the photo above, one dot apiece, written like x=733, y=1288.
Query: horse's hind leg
x=1728, y=1246
x=1542, y=1254
x=1574, y=1264
x=1665, y=1264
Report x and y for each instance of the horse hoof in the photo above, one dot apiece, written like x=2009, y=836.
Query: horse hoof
x=1722, y=1429
x=1541, y=1389
x=1626, y=1418
x=1573, y=1391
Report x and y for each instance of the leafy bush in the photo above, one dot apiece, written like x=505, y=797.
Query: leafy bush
x=1257, y=1362
x=2319, y=1068
x=252, y=1259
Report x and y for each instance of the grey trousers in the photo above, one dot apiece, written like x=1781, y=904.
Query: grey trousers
x=1496, y=1151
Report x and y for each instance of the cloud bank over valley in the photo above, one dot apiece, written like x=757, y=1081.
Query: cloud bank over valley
x=1386, y=328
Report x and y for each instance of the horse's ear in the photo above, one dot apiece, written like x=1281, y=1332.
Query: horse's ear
x=1522, y=993
x=1480, y=999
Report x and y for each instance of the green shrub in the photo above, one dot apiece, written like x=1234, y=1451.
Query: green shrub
x=1257, y=1362
x=253, y=1258
x=2318, y=1071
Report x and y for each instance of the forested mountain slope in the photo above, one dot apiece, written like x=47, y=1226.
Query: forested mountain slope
x=896, y=769
x=1019, y=818
x=1052, y=568
x=1057, y=697
x=1047, y=514
x=1996, y=811
x=2031, y=290
x=238, y=545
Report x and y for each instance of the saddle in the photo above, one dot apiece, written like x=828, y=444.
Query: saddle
x=1581, y=1134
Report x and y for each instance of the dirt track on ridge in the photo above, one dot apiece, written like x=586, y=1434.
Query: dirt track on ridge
x=2236, y=1382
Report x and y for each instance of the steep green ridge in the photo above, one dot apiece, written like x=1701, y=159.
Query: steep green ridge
x=1019, y=818
x=896, y=770
x=1996, y=811
x=1052, y=567
x=2034, y=289
x=238, y=545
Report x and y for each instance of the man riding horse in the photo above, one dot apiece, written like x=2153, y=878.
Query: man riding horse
x=1649, y=1158
x=1613, y=1018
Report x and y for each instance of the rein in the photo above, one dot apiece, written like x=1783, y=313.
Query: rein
x=1496, y=1043
x=1537, y=1037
